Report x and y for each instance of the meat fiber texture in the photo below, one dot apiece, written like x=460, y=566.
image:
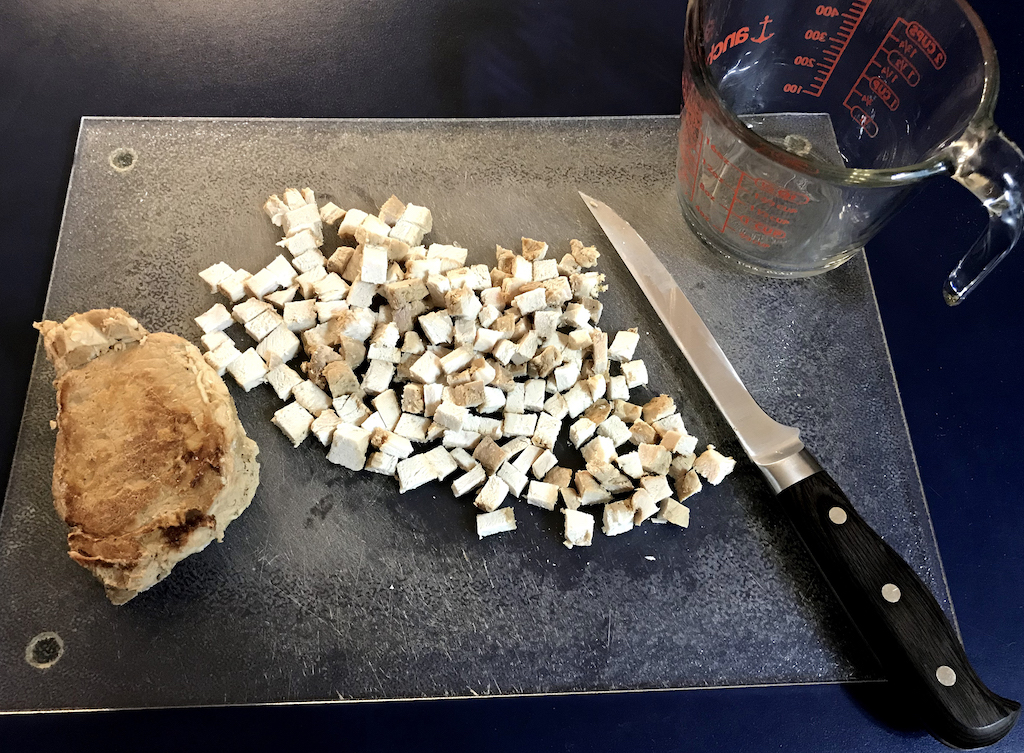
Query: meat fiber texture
x=151, y=462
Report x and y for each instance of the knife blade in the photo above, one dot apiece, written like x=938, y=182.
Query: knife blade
x=888, y=604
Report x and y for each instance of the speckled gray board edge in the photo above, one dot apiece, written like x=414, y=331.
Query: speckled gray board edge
x=331, y=586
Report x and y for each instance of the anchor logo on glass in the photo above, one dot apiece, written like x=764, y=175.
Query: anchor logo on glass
x=738, y=37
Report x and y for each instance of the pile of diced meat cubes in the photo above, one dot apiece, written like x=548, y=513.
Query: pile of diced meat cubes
x=403, y=347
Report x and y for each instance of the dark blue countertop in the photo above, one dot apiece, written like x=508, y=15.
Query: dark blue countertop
x=958, y=369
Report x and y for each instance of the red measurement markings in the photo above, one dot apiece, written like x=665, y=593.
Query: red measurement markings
x=889, y=68
x=926, y=42
x=837, y=45
x=691, y=142
x=904, y=67
x=885, y=93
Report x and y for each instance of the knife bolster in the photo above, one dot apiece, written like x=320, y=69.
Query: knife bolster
x=792, y=469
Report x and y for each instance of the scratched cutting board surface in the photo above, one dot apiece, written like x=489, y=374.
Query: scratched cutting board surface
x=332, y=585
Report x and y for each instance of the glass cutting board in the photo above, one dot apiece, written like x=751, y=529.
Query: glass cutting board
x=332, y=585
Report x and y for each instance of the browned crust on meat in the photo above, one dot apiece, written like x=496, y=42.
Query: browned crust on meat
x=151, y=462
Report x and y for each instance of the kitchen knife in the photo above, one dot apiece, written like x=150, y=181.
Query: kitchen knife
x=891, y=607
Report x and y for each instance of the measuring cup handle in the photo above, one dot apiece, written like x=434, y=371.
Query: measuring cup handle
x=991, y=167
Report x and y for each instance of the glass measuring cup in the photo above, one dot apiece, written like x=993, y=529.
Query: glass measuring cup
x=806, y=126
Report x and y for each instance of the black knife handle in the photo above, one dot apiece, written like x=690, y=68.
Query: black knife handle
x=897, y=616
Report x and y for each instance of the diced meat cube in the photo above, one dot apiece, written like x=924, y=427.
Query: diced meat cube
x=642, y=433
x=457, y=360
x=294, y=421
x=433, y=394
x=494, y=400
x=624, y=345
x=216, y=319
x=615, y=429
x=323, y=426
x=350, y=409
x=658, y=407
x=311, y=397
x=542, y=495
x=657, y=487
x=283, y=379
x=214, y=340
x=533, y=300
x=379, y=462
x=635, y=373
x=493, y=493
x=427, y=368
x=464, y=459
x=280, y=346
x=490, y=455
x=617, y=389
x=414, y=472
x=590, y=492
x=579, y=528
x=442, y=463
x=513, y=477
x=558, y=476
x=499, y=521
x=628, y=412
x=618, y=518
x=348, y=446
x=578, y=399
x=556, y=406
x=248, y=369
x=675, y=513
x=630, y=464
x=534, y=395
x=519, y=424
x=544, y=463
x=643, y=506
x=526, y=457
x=413, y=427
x=713, y=465
x=374, y=268
x=673, y=422
x=215, y=274
x=545, y=269
x=547, y=431
x=460, y=440
x=581, y=431
x=585, y=256
x=437, y=326
x=233, y=286
x=599, y=450
x=263, y=324
x=281, y=297
x=261, y=283
x=470, y=480
x=340, y=379
x=249, y=309
x=678, y=443
x=469, y=394
x=386, y=404
x=450, y=415
x=687, y=484
x=654, y=459
x=300, y=315
x=599, y=411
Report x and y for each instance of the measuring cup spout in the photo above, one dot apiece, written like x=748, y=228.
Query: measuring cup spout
x=991, y=167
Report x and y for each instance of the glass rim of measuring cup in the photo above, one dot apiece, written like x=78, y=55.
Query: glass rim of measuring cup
x=941, y=163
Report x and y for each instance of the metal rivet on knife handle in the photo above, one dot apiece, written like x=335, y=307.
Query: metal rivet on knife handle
x=891, y=593
x=946, y=676
x=837, y=515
